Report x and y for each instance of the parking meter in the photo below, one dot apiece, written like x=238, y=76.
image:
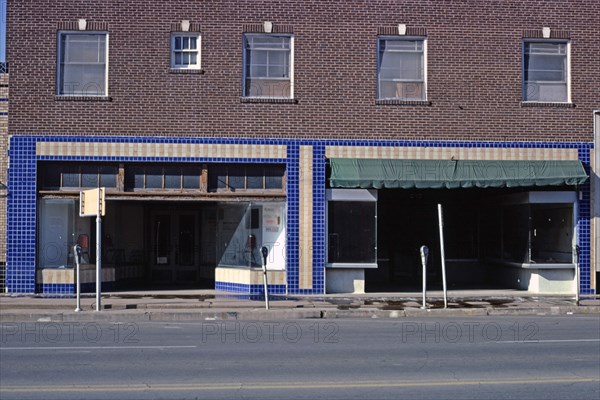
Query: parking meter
x=265, y=253
x=77, y=253
x=424, y=256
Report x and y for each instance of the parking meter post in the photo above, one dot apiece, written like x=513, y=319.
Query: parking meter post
x=443, y=254
x=424, y=255
x=577, y=274
x=77, y=252
x=265, y=253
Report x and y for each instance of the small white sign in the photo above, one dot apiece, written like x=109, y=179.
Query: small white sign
x=91, y=203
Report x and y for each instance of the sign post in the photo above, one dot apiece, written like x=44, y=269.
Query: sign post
x=443, y=255
x=92, y=203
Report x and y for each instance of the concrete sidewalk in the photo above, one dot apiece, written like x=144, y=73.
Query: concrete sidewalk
x=197, y=305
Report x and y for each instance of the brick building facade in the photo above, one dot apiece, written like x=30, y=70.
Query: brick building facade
x=230, y=94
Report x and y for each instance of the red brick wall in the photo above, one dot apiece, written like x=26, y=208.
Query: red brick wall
x=474, y=70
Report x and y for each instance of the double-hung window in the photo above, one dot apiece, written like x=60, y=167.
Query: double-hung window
x=268, y=70
x=82, y=64
x=546, y=71
x=185, y=51
x=401, y=69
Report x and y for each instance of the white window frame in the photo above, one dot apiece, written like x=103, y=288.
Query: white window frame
x=198, y=50
x=291, y=66
x=58, y=63
x=568, y=67
x=402, y=38
x=595, y=178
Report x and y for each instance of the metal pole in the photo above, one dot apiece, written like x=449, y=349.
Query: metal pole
x=77, y=250
x=577, y=276
x=265, y=252
x=98, y=254
x=424, y=255
x=443, y=255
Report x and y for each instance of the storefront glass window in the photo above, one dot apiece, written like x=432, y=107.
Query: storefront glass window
x=59, y=229
x=537, y=233
x=515, y=236
x=552, y=233
x=242, y=229
x=352, y=232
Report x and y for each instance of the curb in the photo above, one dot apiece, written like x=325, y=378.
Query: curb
x=284, y=314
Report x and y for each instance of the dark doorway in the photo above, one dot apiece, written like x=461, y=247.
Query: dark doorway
x=408, y=219
x=174, y=240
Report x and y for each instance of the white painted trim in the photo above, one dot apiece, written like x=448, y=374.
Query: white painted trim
x=541, y=197
x=569, y=71
x=532, y=40
x=291, y=66
x=399, y=38
x=58, y=68
x=351, y=265
x=351, y=195
x=534, y=266
x=198, y=37
x=595, y=177
x=244, y=60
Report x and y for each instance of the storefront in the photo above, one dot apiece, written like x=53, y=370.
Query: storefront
x=508, y=224
x=195, y=212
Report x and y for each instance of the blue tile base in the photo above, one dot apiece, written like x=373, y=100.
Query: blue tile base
x=69, y=288
x=249, y=289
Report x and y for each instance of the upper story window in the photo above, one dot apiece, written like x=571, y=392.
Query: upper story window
x=73, y=176
x=268, y=70
x=185, y=51
x=82, y=64
x=401, y=69
x=162, y=177
x=246, y=178
x=546, y=71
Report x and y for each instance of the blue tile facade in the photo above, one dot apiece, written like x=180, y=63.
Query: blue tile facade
x=22, y=224
x=249, y=289
x=293, y=218
x=21, y=217
x=69, y=288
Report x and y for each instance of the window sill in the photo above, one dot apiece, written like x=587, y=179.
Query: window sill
x=82, y=98
x=546, y=104
x=187, y=71
x=425, y=103
x=268, y=100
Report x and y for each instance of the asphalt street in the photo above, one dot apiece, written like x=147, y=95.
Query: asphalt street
x=551, y=357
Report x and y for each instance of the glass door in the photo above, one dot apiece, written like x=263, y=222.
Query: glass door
x=175, y=247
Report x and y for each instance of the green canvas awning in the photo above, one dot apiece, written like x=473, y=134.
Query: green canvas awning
x=435, y=174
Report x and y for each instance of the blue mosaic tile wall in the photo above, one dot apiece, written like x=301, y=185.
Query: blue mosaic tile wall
x=21, y=225
x=319, y=234
x=292, y=239
x=21, y=218
x=249, y=289
x=584, y=228
x=69, y=288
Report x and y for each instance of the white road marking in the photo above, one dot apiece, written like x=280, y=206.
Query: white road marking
x=98, y=347
x=549, y=341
